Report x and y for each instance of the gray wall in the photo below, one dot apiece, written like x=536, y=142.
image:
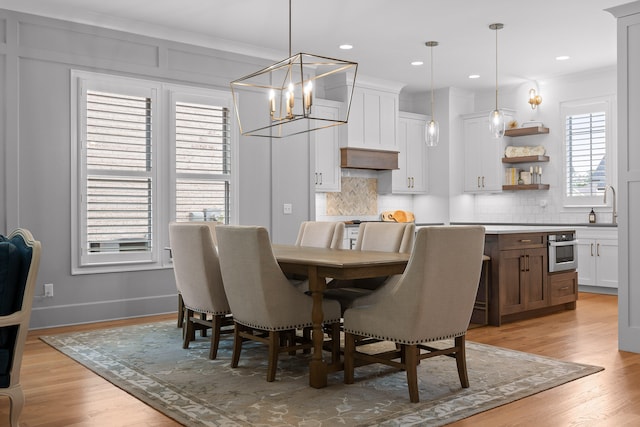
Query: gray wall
x=36, y=57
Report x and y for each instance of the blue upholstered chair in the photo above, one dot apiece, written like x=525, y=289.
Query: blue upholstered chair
x=19, y=261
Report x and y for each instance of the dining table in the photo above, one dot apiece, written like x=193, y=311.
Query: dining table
x=320, y=263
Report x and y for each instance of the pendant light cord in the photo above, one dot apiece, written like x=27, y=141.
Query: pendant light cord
x=289, y=28
x=497, y=28
x=432, y=112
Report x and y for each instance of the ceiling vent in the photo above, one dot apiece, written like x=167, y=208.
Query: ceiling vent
x=363, y=158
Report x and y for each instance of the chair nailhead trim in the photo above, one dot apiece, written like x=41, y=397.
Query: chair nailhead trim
x=380, y=337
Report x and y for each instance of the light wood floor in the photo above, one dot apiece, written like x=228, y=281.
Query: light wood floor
x=60, y=392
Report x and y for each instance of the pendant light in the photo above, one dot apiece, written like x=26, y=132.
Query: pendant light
x=432, y=128
x=277, y=101
x=496, y=118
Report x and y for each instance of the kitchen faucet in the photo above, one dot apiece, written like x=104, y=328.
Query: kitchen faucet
x=613, y=191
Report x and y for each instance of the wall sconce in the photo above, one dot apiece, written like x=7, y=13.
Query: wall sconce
x=534, y=99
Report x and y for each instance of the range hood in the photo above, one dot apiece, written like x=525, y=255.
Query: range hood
x=364, y=158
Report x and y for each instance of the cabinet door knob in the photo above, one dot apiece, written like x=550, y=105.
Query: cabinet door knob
x=478, y=182
x=320, y=178
x=591, y=249
x=483, y=182
x=597, y=249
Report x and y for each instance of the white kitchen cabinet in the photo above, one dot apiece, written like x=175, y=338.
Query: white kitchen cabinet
x=598, y=257
x=483, y=171
x=373, y=119
x=411, y=177
x=327, y=149
x=628, y=94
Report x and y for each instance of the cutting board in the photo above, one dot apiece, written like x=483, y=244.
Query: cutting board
x=397, y=216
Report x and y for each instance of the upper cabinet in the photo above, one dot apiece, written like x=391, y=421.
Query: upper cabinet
x=483, y=171
x=327, y=149
x=373, y=117
x=411, y=177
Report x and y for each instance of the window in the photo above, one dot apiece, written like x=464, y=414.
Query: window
x=124, y=194
x=586, y=144
x=202, y=159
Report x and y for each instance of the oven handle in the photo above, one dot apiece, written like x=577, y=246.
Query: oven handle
x=565, y=243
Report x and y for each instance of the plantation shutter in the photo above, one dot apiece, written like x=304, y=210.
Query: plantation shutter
x=202, y=162
x=586, y=154
x=119, y=182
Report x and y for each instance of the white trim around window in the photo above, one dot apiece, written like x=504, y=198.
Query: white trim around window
x=123, y=179
x=595, y=133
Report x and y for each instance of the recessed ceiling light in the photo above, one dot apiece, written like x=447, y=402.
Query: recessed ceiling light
x=474, y=76
x=416, y=63
x=562, y=58
x=346, y=46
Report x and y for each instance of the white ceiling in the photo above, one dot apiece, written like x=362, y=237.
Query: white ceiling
x=386, y=34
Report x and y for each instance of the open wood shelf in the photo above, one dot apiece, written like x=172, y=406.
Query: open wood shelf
x=525, y=159
x=534, y=130
x=525, y=187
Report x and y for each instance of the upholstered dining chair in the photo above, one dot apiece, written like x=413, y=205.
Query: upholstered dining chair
x=372, y=236
x=19, y=261
x=321, y=234
x=266, y=307
x=317, y=234
x=431, y=301
x=197, y=271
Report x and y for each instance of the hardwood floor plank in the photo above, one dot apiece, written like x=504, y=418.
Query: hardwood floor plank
x=61, y=392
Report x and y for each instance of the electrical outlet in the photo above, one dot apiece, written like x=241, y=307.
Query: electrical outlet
x=288, y=208
x=48, y=289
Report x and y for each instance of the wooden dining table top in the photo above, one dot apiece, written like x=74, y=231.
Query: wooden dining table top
x=340, y=258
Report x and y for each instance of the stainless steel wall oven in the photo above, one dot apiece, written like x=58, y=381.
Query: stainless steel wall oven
x=563, y=252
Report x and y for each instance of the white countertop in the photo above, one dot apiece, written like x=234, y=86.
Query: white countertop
x=507, y=229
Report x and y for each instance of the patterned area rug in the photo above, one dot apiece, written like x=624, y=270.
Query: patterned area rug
x=148, y=362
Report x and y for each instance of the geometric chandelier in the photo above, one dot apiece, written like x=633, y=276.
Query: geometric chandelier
x=277, y=101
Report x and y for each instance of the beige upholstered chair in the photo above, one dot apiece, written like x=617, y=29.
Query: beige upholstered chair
x=431, y=301
x=317, y=234
x=262, y=298
x=321, y=234
x=19, y=261
x=372, y=236
x=197, y=272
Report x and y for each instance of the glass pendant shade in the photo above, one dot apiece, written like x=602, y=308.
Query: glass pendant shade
x=431, y=133
x=432, y=128
x=496, y=117
x=496, y=124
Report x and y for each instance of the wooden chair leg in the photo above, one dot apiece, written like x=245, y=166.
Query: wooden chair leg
x=16, y=403
x=180, y=310
x=189, y=332
x=306, y=334
x=411, y=366
x=203, y=331
x=237, y=345
x=349, y=354
x=461, y=361
x=335, y=343
x=215, y=335
x=274, y=343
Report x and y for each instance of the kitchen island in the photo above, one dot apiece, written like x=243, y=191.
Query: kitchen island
x=521, y=285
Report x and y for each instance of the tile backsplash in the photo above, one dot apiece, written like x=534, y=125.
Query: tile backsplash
x=358, y=197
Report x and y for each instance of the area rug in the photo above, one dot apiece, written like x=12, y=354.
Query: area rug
x=149, y=363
